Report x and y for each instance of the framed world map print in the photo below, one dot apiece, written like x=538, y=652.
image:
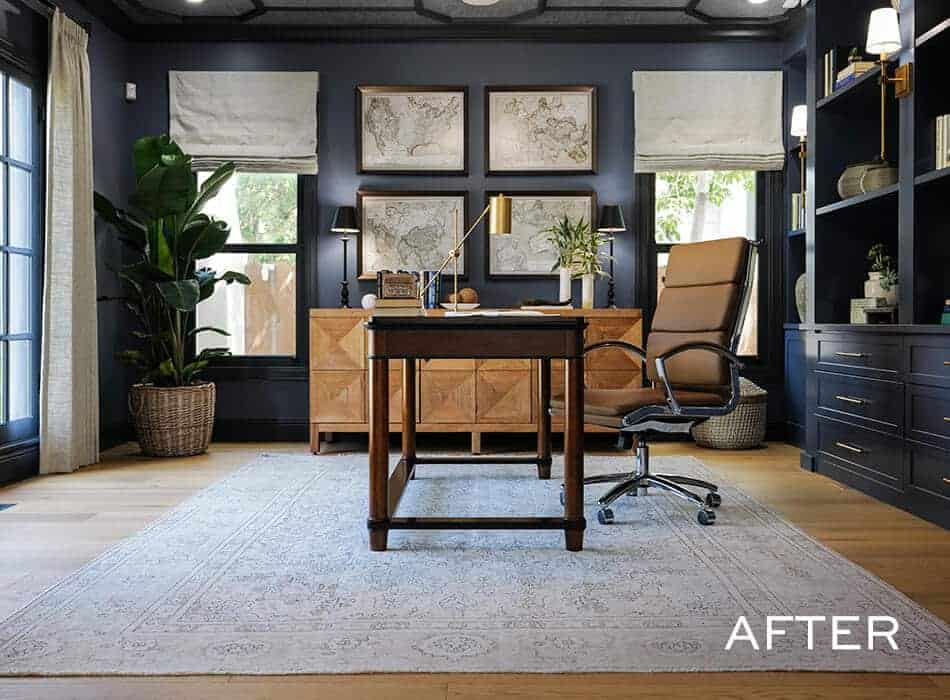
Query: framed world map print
x=532, y=130
x=408, y=230
x=526, y=252
x=412, y=130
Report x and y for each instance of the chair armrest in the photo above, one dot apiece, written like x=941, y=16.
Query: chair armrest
x=620, y=344
x=735, y=364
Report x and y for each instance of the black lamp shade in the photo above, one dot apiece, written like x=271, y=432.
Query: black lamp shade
x=611, y=219
x=344, y=221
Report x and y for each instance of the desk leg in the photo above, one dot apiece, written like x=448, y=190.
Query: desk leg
x=409, y=415
x=378, y=522
x=574, y=454
x=544, y=419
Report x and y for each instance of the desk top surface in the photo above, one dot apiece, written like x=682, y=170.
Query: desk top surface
x=547, y=322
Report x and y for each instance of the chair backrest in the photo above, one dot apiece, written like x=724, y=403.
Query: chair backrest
x=706, y=292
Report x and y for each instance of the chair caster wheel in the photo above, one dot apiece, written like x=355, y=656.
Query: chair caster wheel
x=713, y=499
x=562, y=495
x=605, y=516
x=706, y=517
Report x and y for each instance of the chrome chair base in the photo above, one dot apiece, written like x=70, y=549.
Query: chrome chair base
x=637, y=483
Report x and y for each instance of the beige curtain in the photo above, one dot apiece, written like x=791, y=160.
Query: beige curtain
x=69, y=382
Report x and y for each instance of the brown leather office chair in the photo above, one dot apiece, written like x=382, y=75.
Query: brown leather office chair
x=691, y=363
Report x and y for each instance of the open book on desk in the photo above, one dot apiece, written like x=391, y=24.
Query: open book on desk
x=492, y=312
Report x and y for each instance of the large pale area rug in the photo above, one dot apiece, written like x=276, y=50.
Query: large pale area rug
x=269, y=572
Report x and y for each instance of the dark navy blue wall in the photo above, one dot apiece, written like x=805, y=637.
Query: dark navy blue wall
x=282, y=403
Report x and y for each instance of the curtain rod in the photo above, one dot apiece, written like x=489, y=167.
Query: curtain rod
x=48, y=8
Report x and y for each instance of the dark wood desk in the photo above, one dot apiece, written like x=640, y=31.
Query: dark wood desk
x=410, y=339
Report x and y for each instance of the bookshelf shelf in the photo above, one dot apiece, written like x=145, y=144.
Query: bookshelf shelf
x=942, y=175
x=859, y=200
x=794, y=233
x=940, y=32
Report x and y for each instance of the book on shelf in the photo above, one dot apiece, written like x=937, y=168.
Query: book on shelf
x=836, y=61
x=943, y=142
x=797, y=221
x=856, y=69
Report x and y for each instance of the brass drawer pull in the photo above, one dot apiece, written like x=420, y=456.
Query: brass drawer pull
x=849, y=399
x=856, y=355
x=946, y=363
x=849, y=448
x=946, y=419
x=946, y=480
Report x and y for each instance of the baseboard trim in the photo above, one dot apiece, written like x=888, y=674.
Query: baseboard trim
x=262, y=430
x=19, y=461
x=806, y=461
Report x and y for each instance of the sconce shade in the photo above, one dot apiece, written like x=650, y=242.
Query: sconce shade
x=884, y=33
x=499, y=215
x=344, y=221
x=611, y=219
x=800, y=121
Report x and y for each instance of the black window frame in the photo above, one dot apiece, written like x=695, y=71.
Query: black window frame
x=766, y=367
x=241, y=367
x=25, y=430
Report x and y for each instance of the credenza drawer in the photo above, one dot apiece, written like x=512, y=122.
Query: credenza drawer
x=877, y=403
x=928, y=360
x=865, y=453
x=930, y=471
x=877, y=357
x=928, y=415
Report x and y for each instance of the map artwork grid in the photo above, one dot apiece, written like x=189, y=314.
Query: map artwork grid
x=527, y=250
x=538, y=130
x=412, y=130
x=408, y=231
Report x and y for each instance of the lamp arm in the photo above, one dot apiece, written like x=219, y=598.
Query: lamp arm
x=452, y=253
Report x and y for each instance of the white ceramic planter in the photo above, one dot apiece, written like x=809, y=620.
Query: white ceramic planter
x=564, y=278
x=587, y=291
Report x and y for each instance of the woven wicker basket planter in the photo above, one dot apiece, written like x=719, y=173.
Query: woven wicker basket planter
x=172, y=421
x=743, y=429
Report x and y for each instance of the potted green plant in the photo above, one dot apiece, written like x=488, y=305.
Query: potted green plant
x=882, y=275
x=168, y=234
x=588, y=260
x=563, y=237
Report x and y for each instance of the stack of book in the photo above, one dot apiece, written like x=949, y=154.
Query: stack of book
x=851, y=72
x=836, y=62
x=403, y=306
x=943, y=142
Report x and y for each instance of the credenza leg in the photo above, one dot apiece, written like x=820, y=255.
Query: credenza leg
x=544, y=419
x=378, y=453
x=574, y=453
x=476, y=443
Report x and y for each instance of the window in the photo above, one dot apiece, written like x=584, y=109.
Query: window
x=704, y=206
x=262, y=210
x=19, y=259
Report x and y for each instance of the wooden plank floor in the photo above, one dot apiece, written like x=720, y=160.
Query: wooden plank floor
x=60, y=522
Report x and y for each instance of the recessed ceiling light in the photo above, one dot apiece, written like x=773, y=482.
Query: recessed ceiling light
x=194, y=2
x=480, y=3
x=758, y=2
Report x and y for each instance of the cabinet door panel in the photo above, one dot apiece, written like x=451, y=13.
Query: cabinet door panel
x=504, y=397
x=337, y=343
x=601, y=329
x=395, y=394
x=447, y=397
x=338, y=397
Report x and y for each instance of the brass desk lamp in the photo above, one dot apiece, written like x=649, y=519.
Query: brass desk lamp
x=499, y=224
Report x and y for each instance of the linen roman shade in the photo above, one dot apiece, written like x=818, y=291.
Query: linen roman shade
x=708, y=120
x=263, y=121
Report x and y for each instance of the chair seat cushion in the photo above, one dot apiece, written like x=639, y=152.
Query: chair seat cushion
x=620, y=402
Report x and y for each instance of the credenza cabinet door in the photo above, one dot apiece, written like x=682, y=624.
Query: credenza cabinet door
x=338, y=343
x=447, y=396
x=504, y=396
x=625, y=329
x=338, y=397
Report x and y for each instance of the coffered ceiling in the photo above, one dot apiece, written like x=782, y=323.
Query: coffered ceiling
x=449, y=19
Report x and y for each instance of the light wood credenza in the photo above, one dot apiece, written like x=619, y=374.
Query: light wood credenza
x=470, y=396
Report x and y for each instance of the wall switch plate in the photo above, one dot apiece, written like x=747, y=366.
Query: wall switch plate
x=130, y=92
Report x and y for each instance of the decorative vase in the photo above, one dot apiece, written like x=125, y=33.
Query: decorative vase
x=866, y=177
x=564, y=281
x=173, y=421
x=874, y=289
x=801, y=296
x=587, y=291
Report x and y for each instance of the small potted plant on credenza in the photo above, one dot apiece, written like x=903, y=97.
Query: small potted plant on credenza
x=172, y=410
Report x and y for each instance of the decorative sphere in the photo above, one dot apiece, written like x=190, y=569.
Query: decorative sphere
x=369, y=301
